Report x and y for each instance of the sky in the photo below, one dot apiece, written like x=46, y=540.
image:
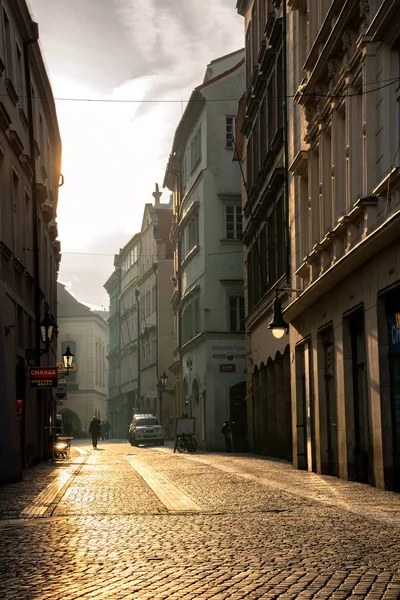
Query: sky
x=148, y=53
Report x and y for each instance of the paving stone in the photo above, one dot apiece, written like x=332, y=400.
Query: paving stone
x=258, y=529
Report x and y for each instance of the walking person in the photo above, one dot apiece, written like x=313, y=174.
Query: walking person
x=94, y=430
x=106, y=427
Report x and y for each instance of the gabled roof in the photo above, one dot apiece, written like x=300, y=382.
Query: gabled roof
x=191, y=114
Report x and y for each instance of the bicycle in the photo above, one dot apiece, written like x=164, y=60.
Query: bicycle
x=186, y=442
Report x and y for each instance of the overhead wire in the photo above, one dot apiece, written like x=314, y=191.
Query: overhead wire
x=386, y=82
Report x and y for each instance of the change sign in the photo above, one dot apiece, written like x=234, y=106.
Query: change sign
x=43, y=377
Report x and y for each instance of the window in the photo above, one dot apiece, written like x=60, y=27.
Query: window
x=7, y=43
x=192, y=156
x=195, y=150
x=20, y=77
x=190, y=236
x=230, y=132
x=233, y=222
x=236, y=313
x=190, y=318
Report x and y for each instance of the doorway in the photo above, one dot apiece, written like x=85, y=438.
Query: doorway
x=330, y=405
x=360, y=399
x=238, y=413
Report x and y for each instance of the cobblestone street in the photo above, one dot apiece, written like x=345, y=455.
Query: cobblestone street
x=142, y=523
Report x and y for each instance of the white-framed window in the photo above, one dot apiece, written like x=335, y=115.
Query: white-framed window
x=230, y=132
x=236, y=313
x=190, y=317
x=190, y=235
x=192, y=156
x=233, y=222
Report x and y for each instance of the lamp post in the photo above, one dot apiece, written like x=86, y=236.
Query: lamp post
x=161, y=387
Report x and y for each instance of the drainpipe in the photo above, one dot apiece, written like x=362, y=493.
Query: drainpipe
x=285, y=141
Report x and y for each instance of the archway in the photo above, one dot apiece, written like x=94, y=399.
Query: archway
x=70, y=417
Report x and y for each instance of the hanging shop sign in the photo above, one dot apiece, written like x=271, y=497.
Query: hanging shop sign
x=62, y=369
x=43, y=377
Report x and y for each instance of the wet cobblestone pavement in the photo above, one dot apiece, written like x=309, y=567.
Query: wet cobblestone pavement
x=142, y=523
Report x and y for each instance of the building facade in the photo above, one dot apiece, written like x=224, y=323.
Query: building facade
x=155, y=312
x=116, y=415
x=141, y=322
x=262, y=150
x=208, y=298
x=85, y=332
x=30, y=159
x=341, y=164
x=345, y=210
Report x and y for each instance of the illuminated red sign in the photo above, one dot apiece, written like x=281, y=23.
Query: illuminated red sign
x=43, y=377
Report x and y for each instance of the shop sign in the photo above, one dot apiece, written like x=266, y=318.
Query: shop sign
x=43, y=377
x=231, y=368
x=394, y=334
x=62, y=369
x=228, y=352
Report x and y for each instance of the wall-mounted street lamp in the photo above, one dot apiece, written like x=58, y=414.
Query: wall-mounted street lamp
x=278, y=325
x=68, y=358
x=161, y=387
x=47, y=328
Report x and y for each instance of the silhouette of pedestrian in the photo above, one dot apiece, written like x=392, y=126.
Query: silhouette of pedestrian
x=94, y=430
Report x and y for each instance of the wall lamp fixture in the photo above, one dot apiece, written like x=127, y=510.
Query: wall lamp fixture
x=68, y=358
x=47, y=328
x=278, y=325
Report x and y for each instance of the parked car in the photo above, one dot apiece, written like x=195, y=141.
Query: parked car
x=145, y=429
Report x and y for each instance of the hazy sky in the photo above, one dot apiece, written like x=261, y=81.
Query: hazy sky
x=114, y=153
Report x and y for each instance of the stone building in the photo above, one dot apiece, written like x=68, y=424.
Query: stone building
x=208, y=298
x=116, y=415
x=155, y=270
x=344, y=66
x=342, y=169
x=141, y=322
x=123, y=357
x=85, y=332
x=261, y=148
x=30, y=158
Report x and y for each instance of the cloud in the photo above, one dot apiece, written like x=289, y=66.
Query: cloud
x=113, y=153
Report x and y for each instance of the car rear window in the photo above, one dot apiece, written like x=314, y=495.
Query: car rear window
x=147, y=422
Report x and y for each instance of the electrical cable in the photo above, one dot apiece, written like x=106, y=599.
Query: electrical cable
x=387, y=82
